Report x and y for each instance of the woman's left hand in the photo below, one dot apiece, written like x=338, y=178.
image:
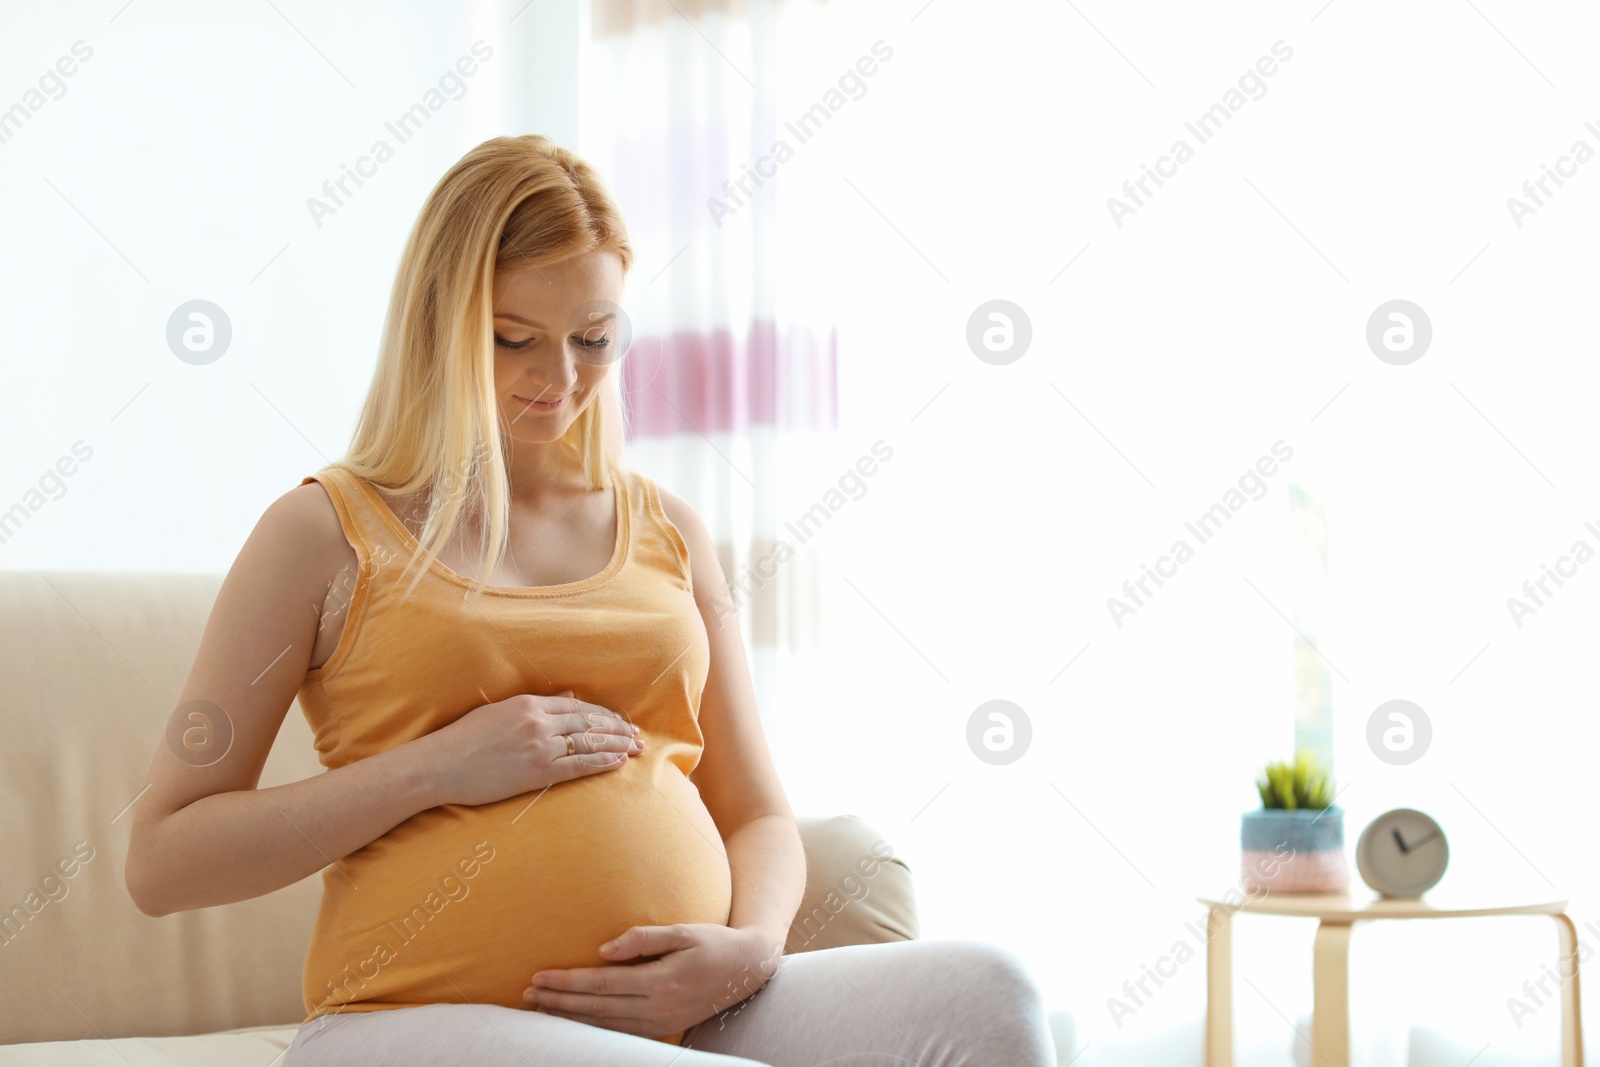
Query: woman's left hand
x=702, y=969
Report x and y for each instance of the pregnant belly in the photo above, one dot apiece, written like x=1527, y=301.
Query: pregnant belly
x=466, y=903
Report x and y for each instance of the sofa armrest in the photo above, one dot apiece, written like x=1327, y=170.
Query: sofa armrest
x=857, y=891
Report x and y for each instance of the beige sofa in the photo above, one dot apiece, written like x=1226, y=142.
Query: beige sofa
x=91, y=665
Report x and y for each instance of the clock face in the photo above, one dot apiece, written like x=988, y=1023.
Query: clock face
x=1402, y=853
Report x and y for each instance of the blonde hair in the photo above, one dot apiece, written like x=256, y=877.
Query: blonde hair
x=431, y=419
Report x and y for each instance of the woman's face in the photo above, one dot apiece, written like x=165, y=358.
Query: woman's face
x=556, y=337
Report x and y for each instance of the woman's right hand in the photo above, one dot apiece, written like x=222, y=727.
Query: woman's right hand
x=519, y=745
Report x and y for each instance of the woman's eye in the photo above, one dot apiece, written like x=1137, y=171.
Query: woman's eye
x=503, y=343
x=596, y=343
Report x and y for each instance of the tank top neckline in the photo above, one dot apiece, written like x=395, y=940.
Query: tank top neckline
x=621, y=547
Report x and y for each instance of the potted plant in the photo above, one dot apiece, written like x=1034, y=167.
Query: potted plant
x=1294, y=843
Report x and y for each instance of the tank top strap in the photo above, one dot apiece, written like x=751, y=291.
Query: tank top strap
x=659, y=543
x=369, y=531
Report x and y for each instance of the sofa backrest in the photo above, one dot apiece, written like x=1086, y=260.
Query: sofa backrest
x=91, y=667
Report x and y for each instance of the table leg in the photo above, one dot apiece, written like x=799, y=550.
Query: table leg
x=1330, y=1013
x=1219, y=989
x=1571, y=1017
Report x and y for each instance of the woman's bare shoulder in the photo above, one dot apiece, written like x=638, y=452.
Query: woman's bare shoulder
x=677, y=509
x=299, y=535
x=305, y=519
x=300, y=544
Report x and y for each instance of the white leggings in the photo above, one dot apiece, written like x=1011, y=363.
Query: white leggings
x=937, y=1003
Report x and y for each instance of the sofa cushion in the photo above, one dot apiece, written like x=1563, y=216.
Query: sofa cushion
x=258, y=1046
x=857, y=891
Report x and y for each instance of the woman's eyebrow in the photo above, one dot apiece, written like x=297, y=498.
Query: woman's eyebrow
x=519, y=318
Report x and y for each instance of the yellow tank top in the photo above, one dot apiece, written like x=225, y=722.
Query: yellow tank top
x=463, y=904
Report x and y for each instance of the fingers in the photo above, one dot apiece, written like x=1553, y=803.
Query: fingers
x=592, y=742
x=610, y=1006
x=618, y=983
x=649, y=941
x=594, y=715
x=601, y=739
x=599, y=720
x=573, y=714
x=596, y=753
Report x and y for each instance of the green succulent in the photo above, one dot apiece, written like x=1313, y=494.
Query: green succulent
x=1294, y=785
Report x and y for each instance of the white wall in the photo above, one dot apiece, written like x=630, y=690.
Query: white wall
x=177, y=165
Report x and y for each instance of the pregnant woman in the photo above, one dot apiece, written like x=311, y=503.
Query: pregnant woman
x=550, y=832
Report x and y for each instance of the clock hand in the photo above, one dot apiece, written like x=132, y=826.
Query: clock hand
x=1423, y=841
x=1400, y=840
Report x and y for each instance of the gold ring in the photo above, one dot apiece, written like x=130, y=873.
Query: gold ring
x=572, y=746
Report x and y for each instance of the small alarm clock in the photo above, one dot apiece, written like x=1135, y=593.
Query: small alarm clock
x=1402, y=853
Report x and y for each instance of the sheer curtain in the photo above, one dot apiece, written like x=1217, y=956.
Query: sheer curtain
x=732, y=373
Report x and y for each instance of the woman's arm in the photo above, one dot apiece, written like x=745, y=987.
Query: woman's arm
x=205, y=835
x=736, y=776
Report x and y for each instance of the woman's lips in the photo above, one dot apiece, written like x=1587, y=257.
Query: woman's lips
x=543, y=405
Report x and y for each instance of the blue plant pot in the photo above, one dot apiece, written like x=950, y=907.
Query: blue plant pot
x=1294, y=851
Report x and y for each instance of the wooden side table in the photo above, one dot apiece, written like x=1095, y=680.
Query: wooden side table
x=1336, y=914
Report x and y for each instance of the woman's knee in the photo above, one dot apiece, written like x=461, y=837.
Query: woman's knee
x=993, y=1010
x=966, y=973
x=997, y=972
